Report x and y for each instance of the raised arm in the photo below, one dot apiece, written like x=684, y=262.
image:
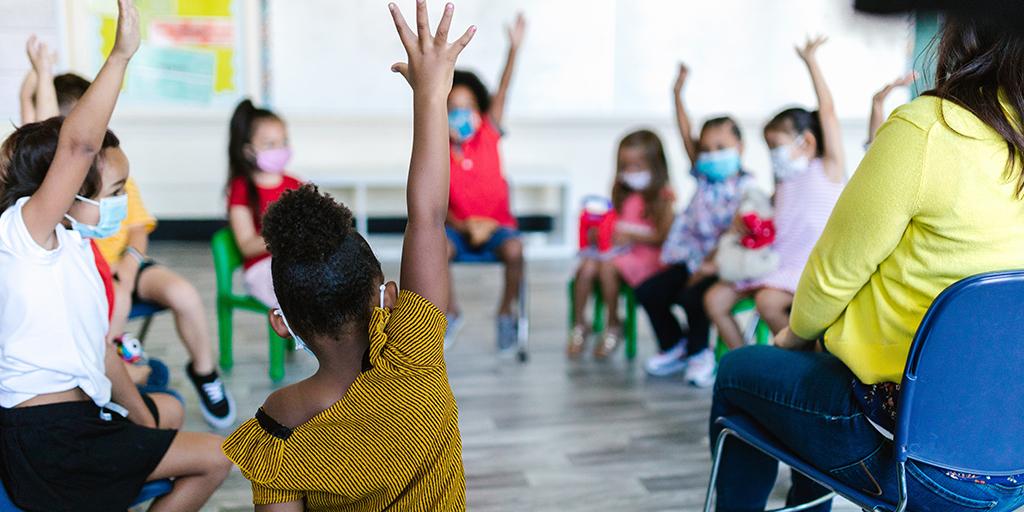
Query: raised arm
x=26, y=97
x=682, y=118
x=833, y=136
x=515, y=39
x=878, y=103
x=81, y=135
x=45, y=94
x=429, y=73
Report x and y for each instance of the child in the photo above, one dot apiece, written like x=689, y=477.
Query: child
x=140, y=279
x=376, y=427
x=258, y=154
x=807, y=158
x=642, y=197
x=480, y=222
x=75, y=433
x=691, y=243
x=878, y=103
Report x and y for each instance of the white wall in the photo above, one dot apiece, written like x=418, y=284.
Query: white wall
x=590, y=71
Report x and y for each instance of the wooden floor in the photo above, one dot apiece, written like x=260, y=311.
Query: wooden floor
x=549, y=435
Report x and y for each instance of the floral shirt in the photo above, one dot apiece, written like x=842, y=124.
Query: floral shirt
x=696, y=230
x=880, y=404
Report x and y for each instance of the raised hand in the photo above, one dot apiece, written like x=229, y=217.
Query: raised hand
x=681, y=78
x=40, y=56
x=517, y=31
x=128, y=34
x=431, y=58
x=903, y=81
x=809, y=49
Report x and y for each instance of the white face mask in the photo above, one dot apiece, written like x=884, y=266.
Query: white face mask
x=383, y=287
x=785, y=165
x=637, y=181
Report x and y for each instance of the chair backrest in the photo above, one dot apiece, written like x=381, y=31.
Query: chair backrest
x=226, y=258
x=962, y=399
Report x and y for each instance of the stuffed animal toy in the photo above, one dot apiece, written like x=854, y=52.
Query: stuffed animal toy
x=130, y=349
x=749, y=256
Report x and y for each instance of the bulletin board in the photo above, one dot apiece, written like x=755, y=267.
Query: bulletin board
x=194, y=53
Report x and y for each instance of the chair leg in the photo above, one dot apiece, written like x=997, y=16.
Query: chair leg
x=572, y=303
x=719, y=444
x=277, y=346
x=598, y=310
x=144, y=330
x=524, y=320
x=631, y=323
x=224, y=333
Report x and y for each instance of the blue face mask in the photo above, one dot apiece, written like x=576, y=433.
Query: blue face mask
x=113, y=211
x=718, y=165
x=460, y=121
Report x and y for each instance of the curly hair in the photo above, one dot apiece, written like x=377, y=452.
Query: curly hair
x=476, y=86
x=324, y=271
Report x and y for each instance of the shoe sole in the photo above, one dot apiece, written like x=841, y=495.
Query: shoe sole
x=667, y=372
x=215, y=421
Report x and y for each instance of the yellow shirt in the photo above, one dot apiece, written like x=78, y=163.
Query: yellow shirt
x=113, y=247
x=392, y=441
x=930, y=204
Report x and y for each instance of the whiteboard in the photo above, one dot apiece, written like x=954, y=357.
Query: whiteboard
x=591, y=58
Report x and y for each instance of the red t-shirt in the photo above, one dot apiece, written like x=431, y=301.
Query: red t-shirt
x=478, y=186
x=238, y=195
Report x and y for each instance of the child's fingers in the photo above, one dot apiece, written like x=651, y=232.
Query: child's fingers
x=404, y=32
x=461, y=43
x=422, y=22
x=401, y=68
x=445, y=25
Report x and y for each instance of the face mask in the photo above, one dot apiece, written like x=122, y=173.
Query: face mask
x=273, y=160
x=299, y=344
x=718, y=165
x=113, y=210
x=637, y=181
x=785, y=166
x=460, y=122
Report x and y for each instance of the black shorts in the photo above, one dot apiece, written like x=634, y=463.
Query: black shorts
x=65, y=457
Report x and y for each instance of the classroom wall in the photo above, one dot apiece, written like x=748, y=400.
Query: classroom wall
x=590, y=71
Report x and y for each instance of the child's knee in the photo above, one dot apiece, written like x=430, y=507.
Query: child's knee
x=181, y=295
x=511, y=251
x=587, y=270
x=771, y=303
x=172, y=413
x=718, y=301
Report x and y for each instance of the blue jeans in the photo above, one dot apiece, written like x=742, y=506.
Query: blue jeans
x=805, y=400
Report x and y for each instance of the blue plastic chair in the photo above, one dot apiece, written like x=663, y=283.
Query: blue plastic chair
x=150, y=491
x=475, y=258
x=146, y=311
x=970, y=339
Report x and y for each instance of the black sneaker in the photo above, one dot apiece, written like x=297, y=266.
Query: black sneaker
x=215, y=402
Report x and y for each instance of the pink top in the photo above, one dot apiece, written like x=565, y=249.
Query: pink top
x=641, y=261
x=803, y=205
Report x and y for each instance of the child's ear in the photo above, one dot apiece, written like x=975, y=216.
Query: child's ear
x=277, y=322
x=390, y=294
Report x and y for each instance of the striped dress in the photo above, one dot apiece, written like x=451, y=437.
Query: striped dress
x=392, y=441
x=803, y=205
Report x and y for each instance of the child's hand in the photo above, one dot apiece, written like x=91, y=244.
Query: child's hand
x=903, y=81
x=739, y=226
x=808, y=50
x=431, y=59
x=128, y=35
x=517, y=31
x=480, y=230
x=40, y=55
x=681, y=79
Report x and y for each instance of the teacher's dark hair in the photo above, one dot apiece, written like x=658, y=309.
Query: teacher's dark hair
x=979, y=60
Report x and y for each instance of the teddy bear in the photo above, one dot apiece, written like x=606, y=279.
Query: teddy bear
x=749, y=255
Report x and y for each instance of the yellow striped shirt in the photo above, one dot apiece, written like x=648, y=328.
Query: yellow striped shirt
x=392, y=441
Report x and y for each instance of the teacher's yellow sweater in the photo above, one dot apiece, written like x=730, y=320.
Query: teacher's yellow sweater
x=930, y=204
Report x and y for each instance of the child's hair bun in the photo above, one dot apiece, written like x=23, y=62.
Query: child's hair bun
x=306, y=226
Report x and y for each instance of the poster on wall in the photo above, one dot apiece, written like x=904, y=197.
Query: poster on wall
x=192, y=51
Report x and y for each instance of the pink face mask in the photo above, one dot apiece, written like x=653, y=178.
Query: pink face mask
x=273, y=160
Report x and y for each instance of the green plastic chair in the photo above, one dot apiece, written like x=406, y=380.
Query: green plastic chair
x=756, y=331
x=227, y=259
x=629, y=326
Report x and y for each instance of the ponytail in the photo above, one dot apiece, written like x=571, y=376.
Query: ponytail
x=240, y=163
x=799, y=120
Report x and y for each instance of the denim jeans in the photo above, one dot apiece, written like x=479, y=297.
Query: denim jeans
x=805, y=400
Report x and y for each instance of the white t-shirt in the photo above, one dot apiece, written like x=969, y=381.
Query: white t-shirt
x=53, y=315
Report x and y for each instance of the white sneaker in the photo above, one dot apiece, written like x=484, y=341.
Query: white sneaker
x=655, y=365
x=700, y=369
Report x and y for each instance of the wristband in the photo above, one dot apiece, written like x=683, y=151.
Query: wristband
x=133, y=252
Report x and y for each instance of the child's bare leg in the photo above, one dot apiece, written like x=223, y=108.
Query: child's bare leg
x=585, y=277
x=719, y=301
x=608, y=275
x=198, y=467
x=172, y=414
x=773, y=307
x=162, y=286
x=511, y=254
